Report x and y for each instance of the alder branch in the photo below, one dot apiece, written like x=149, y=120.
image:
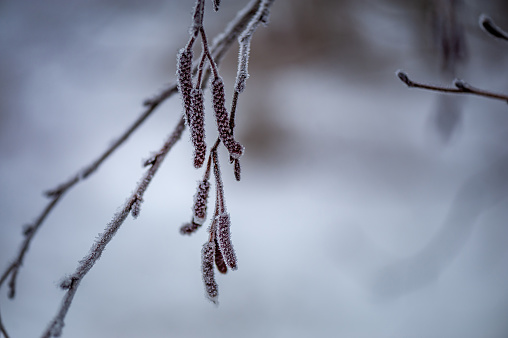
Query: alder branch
x=72, y=282
x=461, y=87
x=220, y=46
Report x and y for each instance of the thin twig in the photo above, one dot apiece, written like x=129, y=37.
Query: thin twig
x=461, y=87
x=490, y=27
x=71, y=283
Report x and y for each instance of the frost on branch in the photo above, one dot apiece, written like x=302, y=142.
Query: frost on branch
x=207, y=268
x=197, y=22
x=197, y=126
x=244, y=40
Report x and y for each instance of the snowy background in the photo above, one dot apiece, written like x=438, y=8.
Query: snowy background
x=354, y=218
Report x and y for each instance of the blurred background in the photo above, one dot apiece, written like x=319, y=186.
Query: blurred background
x=366, y=209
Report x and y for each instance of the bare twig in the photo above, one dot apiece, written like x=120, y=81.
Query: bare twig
x=490, y=27
x=71, y=283
x=461, y=87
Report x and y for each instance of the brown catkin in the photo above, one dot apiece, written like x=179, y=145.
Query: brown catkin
x=224, y=240
x=222, y=118
x=207, y=268
x=200, y=202
x=184, y=78
x=197, y=126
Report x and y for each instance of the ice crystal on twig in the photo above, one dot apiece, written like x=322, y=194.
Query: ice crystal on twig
x=207, y=268
x=245, y=39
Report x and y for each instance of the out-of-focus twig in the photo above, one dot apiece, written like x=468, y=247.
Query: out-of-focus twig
x=490, y=27
x=461, y=87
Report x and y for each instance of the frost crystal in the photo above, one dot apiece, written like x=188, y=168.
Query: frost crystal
x=224, y=240
x=200, y=201
x=197, y=127
x=207, y=261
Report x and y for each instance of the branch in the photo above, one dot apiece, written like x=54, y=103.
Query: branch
x=220, y=46
x=461, y=87
x=72, y=282
x=490, y=27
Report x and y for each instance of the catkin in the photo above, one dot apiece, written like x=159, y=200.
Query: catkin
x=200, y=202
x=197, y=126
x=207, y=268
x=184, y=77
x=221, y=116
x=224, y=240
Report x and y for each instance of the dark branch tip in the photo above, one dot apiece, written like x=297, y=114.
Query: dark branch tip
x=490, y=27
x=403, y=77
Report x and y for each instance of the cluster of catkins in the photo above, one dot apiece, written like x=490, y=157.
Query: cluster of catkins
x=218, y=250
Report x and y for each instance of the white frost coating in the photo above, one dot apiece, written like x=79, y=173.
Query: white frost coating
x=244, y=40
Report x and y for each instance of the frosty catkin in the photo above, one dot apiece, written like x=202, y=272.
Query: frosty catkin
x=184, y=78
x=197, y=126
x=221, y=116
x=200, y=201
x=207, y=263
x=224, y=240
